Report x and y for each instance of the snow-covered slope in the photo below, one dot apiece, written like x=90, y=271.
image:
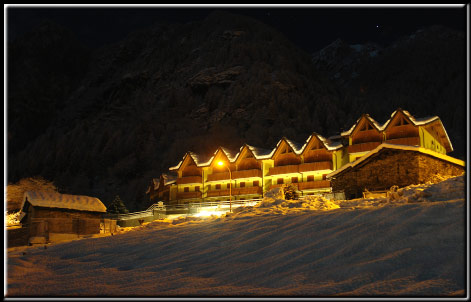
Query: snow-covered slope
x=412, y=244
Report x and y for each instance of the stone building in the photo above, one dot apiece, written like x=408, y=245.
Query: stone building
x=389, y=165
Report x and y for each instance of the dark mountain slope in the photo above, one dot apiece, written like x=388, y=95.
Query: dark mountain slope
x=147, y=100
x=424, y=73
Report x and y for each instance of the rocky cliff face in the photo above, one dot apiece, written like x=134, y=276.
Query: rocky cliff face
x=126, y=112
x=161, y=92
x=423, y=73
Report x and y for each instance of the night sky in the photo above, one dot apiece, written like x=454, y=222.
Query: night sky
x=311, y=28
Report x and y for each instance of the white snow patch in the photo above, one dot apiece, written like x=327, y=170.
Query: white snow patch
x=411, y=244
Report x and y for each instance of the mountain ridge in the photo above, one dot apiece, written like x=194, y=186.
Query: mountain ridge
x=146, y=100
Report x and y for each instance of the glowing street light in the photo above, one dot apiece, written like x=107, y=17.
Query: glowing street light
x=221, y=163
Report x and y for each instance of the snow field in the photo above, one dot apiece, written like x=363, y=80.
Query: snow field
x=412, y=244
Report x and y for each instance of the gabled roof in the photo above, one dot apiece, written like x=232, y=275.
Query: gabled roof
x=258, y=153
x=396, y=147
x=425, y=121
x=169, y=178
x=261, y=153
x=328, y=144
x=199, y=160
x=410, y=117
x=228, y=153
x=51, y=199
x=296, y=147
x=369, y=118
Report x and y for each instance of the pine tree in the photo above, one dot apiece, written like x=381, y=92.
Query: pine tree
x=117, y=206
x=290, y=192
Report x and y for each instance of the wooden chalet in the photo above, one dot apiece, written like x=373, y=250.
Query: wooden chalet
x=285, y=163
x=189, y=180
x=51, y=216
x=160, y=189
x=255, y=171
x=404, y=129
x=218, y=177
x=363, y=136
x=320, y=157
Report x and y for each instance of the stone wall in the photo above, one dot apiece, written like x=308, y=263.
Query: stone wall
x=434, y=170
x=393, y=167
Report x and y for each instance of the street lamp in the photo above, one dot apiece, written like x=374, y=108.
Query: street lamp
x=221, y=163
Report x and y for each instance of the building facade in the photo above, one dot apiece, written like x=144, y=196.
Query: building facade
x=252, y=171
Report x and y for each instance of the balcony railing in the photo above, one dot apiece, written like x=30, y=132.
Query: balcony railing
x=295, y=184
x=284, y=170
x=235, y=191
x=189, y=180
x=218, y=176
x=235, y=174
x=363, y=147
x=186, y=195
x=410, y=141
x=247, y=173
x=314, y=184
x=320, y=165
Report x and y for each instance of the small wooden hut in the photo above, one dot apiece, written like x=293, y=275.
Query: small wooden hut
x=51, y=216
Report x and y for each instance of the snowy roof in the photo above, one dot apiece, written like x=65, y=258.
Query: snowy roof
x=415, y=121
x=297, y=147
x=367, y=116
x=155, y=183
x=423, y=122
x=261, y=153
x=231, y=155
x=328, y=144
x=168, y=180
x=258, y=153
x=53, y=199
x=397, y=147
x=198, y=159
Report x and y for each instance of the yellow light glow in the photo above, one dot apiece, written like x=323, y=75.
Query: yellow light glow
x=220, y=163
x=208, y=213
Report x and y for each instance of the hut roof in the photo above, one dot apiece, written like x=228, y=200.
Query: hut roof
x=383, y=146
x=63, y=201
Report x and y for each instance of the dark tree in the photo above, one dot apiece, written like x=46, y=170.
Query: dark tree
x=117, y=206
